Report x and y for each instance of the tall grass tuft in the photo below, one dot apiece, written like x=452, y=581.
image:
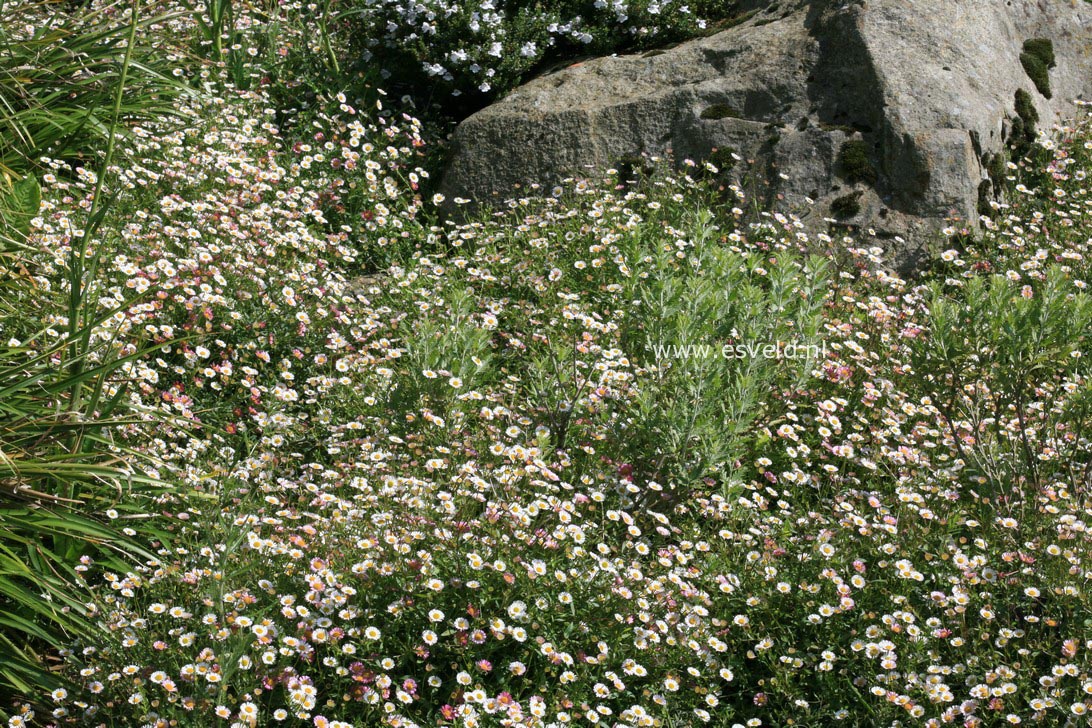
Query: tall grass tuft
x=58, y=82
x=70, y=89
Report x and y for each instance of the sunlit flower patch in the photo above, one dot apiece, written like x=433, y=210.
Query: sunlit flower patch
x=438, y=473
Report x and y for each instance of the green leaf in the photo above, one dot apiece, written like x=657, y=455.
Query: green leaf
x=19, y=204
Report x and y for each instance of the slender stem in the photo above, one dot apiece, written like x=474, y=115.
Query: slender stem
x=331, y=57
x=79, y=307
x=115, y=114
x=79, y=253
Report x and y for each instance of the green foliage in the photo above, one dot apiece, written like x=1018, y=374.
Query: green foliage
x=993, y=347
x=854, y=164
x=634, y=168
x=60, y=471
x=719, y=111
x=1024, y=125
x=544, y=458
x=691, y=329
x=723, y=158
x=286, y=47
x=57, y=83
x=19, y=204
x=441, y=347
x=846, y=205
x=1025, y=108
x=61, y=397
x=985, y=195
x=1037, y=71
x=216, y=23
x=1037, y=59
x=1042, y=49
x=996, y=169
x=482, y=50
x=523, y=441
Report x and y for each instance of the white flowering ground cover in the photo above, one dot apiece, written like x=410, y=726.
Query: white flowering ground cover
x=436, y=474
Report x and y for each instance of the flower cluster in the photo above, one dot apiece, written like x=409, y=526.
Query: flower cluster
x=484, y=48
x=435, y=473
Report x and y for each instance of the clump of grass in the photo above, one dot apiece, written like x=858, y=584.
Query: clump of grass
x=1037, y=60
x=854, y=163
x=68, y=88
x=56, y=84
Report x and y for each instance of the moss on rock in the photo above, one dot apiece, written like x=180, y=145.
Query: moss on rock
x=844, y=128
x=1037, y=72
x=846, y=206
x=1037, y=60
x=854, y=164
x=985, y=196
x=1024, y=132
x=1043, y=49
x=718, y=111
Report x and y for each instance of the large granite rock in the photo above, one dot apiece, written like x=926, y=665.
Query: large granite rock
x=889, y=114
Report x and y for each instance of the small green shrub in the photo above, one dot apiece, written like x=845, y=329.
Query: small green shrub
x=1043, y=49
x=995, y=168
x=677, y=430
x=719, y=111
x=1037, y=71
x=1010, y=342
x=846, y=205
x=1025, y=108
x=854, y=163
x=1024, y=125
x=1037, y=60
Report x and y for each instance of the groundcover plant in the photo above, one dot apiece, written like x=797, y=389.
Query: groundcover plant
x=309, y=455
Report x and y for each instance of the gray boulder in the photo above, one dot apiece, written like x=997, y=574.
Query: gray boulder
x=883, y=114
